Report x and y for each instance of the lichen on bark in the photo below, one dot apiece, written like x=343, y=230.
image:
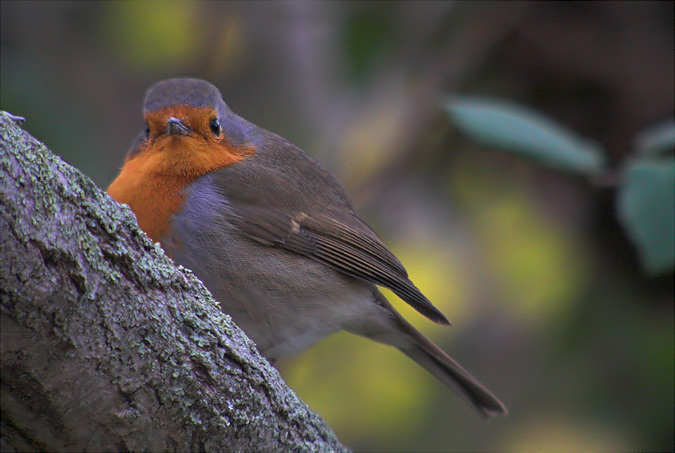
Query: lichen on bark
x=106, y=343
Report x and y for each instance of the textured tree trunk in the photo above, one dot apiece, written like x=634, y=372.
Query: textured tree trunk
x=106, y=344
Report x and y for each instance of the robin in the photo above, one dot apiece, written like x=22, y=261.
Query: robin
x=271, y=233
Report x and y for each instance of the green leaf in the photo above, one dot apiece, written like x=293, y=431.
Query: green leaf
x=646, y=208
x=657, y=139
x=523, y=131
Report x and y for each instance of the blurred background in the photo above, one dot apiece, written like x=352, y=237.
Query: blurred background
x=550, y=306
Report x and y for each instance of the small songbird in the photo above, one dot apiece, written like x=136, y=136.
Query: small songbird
x=271, y=233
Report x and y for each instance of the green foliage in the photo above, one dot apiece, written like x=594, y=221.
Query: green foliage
x=523, y=131
x=646, y=198
x=646, y=208
x=657, y=140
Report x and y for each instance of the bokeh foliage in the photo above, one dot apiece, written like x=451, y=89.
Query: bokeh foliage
x=540, y=270
x=646, y=198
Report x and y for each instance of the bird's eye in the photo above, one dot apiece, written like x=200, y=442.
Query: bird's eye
x=147, y=131
x=215, y=127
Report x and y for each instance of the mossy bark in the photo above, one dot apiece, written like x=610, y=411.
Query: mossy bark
x=106, y=344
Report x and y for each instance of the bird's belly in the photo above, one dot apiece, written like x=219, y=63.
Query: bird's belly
x=285, y=302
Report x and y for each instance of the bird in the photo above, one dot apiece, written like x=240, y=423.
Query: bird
x=271, y=233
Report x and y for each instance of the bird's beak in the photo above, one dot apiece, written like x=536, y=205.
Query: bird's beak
x=176, y=126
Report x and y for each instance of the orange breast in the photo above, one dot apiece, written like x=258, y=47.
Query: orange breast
x=153, y=198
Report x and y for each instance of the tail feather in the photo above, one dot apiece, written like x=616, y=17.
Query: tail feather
x=401, y=334
x=453, y=375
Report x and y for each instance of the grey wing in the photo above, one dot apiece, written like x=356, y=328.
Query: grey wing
x=352, y=249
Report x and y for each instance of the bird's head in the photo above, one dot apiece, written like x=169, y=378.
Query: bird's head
x=189, y=131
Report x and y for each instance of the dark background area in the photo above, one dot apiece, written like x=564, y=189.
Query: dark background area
x=549, y=305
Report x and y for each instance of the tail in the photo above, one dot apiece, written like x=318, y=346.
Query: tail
x=419, y=348
x=451, y=374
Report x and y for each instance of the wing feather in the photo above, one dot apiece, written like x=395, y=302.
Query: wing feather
x=336, y=244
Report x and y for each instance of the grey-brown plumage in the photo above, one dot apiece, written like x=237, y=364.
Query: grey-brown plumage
x=276, y=239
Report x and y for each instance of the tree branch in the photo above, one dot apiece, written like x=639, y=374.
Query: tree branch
x=106, y=344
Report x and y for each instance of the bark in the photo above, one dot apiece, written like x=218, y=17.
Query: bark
x=106, y=344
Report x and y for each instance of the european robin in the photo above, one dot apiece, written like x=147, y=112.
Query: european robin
x=271, y=233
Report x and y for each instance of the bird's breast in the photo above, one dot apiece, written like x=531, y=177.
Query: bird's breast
x=154, y=199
